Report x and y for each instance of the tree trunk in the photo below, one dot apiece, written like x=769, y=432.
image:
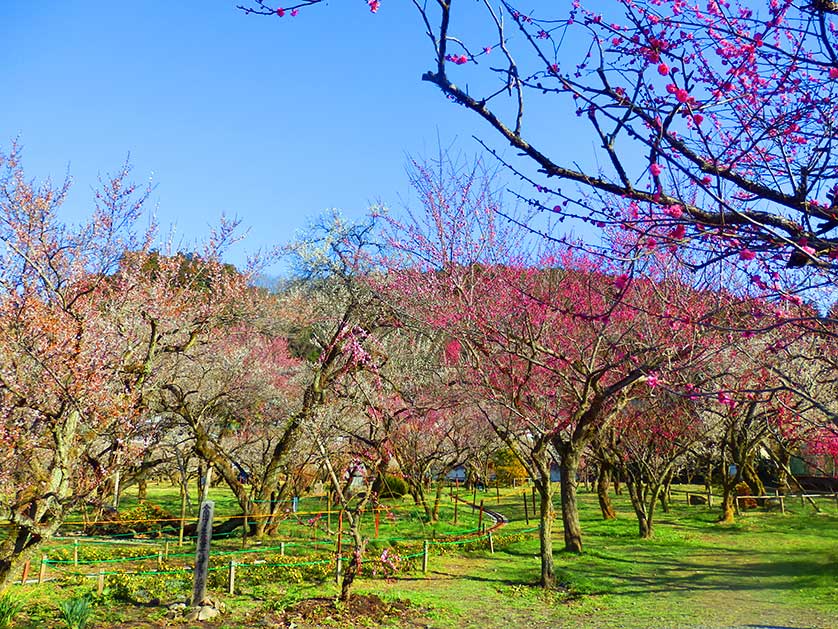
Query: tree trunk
x=545, y=534
x=142, y=490
x=638, y=503
x=570, y=509
x=602, y=484
x=750, y=476
x=437, y=500
x=354, y=565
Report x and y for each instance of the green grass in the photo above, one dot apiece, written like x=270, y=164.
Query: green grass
x=767, y=569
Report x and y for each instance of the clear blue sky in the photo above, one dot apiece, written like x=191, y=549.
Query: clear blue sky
x=272, y=120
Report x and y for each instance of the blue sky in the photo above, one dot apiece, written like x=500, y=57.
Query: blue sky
x=273, y=120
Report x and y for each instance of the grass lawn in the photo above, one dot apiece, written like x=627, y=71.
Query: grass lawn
x=767, y=570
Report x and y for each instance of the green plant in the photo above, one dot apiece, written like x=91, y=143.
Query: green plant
x=10, y=606
x=392, y=487
x=76, y=612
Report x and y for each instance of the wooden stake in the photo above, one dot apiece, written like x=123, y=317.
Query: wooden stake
x=425, y=556
x=480, y=517
x=42, y=573
x=159, y=559
x=491, y=543
x=377, y=520
x=100, y=583
x=231, y=579
x=25, y=575
x=75, y=552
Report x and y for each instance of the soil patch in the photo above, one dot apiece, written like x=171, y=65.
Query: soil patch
x=362, y=610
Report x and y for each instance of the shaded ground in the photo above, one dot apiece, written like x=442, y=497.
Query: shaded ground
x=713, y=587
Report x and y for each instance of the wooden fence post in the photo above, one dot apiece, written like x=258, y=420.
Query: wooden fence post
x=100, y=582
x=42, y=573
x=480, y=517
x=491, y=543
x=75, y=552
x=25, y=574
x=231, y=579
x=425, y=556
x=159, y=559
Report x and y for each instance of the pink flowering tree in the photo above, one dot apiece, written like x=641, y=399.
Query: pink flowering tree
x=63, y=400
x=645, y=443
x=713, y=122
x=554, y=346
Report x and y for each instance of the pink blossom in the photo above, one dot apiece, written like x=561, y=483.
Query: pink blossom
x=833, y=73
x=374, y=5
x=725, y=399
x=679, y=232
x=295, y=12
x=747, y=254
x=280, y=12
x=674, y=211
x=653, y=380
x=621, y=282
x=655, y=169
x=663, y=69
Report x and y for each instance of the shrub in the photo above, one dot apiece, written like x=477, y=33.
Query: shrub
x=392, y=487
